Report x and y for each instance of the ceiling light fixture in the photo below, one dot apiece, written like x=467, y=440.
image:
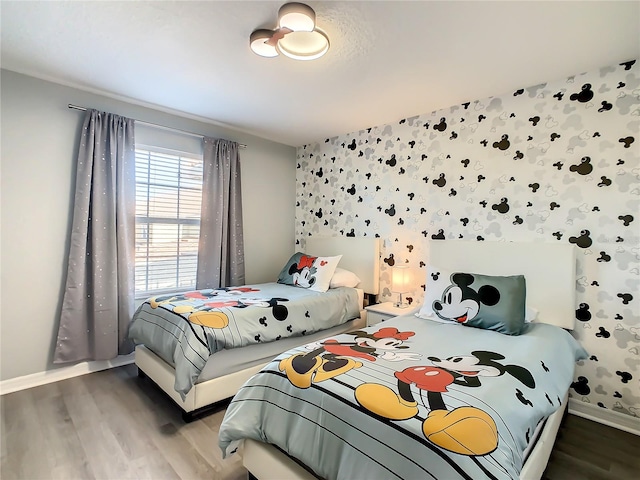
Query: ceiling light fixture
x=296, y=37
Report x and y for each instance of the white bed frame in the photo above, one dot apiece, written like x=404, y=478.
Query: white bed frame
x=361, y=255
x=549, y=270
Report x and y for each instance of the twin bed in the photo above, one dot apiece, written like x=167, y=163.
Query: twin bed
x=425, y=397
x=466, y=388
x=164, y=334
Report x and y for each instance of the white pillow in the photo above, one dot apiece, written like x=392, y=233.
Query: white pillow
x=344, y=278
x=324, y=270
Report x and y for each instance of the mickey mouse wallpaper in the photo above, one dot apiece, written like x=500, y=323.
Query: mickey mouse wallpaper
x=553, y=162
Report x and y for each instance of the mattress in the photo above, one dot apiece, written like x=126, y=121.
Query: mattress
x=186, y=329
x=236, y=359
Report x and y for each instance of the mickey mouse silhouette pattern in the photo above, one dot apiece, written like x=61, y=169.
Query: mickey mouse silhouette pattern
x=562, y=155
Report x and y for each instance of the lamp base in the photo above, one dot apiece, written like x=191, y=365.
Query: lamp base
x=401, y=305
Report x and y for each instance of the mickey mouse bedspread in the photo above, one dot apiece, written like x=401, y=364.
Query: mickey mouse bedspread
x=186, y=329
x=409, y=398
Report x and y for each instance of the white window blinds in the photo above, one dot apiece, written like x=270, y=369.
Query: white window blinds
x=168, y=198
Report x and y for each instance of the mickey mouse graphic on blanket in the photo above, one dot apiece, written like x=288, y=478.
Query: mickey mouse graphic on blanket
x=209, y=315
x=332, y=358
x=465, y=430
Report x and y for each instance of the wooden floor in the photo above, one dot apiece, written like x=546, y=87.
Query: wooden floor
x=113, y=425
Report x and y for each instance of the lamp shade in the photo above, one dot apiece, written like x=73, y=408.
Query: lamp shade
x=400, y=279
x=304, y=45
x=260, y=43
x=297, y=17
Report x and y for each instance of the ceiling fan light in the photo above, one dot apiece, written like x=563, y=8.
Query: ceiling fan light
x=297, y=17
x=258, y=42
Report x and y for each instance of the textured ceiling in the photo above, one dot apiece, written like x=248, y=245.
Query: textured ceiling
x=388, y=60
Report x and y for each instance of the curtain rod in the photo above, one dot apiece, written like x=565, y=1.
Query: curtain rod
x=84, y=109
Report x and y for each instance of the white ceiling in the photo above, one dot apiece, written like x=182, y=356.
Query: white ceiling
x=388, y=60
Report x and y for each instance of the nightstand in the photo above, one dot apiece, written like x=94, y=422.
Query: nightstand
x=380, y=312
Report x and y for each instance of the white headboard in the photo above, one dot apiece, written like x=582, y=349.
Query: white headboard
x=361, y=255
x=549, y=270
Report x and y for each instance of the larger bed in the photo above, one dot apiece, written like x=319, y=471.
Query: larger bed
x=423, y=397
x=184, y=341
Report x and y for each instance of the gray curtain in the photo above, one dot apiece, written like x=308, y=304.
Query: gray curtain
x=99, y=295
x=221, y=246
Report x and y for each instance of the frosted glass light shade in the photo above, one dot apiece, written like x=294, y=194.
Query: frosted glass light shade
x=297, y=17
x=259, y=45
x=304, y=45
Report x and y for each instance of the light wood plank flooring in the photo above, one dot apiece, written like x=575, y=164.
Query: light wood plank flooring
x=113, y=425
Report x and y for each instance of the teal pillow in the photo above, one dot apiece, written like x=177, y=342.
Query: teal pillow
x=475, y=300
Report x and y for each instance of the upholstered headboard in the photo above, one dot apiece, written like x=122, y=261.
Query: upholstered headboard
x=549, y=270
x=361, y=255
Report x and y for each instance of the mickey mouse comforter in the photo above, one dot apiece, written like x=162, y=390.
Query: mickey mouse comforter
x=410, y=398
x=186, y=329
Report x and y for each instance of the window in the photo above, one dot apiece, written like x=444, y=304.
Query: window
x=168, y=198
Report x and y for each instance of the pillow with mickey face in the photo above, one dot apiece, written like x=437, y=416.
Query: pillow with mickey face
x=310, y=272
x=482, y=301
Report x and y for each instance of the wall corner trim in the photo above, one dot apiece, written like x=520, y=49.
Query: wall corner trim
x=621, y=421
x=41, y=378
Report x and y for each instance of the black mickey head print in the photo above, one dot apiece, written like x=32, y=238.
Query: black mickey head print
x=603, y=333
x=581, y=386
x=626, y=219
x=583, y=241
x=352, y=145
x=604, y=182
x=534, y=120
x=502, y=207
x=606, y=106
x=391, y=211
x=584, y=167
x=534, y=187
x=625, y=297
x=439, y=235
x=625, y=377
x=604, y=257
x=503, y=144
x=440, y=181
x=442, y=126
x=390, y=260
x=582, y=313
x=584, y=95
x=392, y=161
x=627, y=141
x=628, y=65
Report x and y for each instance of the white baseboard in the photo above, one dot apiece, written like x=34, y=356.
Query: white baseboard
x=50, y=376
x=621, y=421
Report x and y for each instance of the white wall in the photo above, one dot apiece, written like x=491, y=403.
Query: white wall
x=39, y=144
